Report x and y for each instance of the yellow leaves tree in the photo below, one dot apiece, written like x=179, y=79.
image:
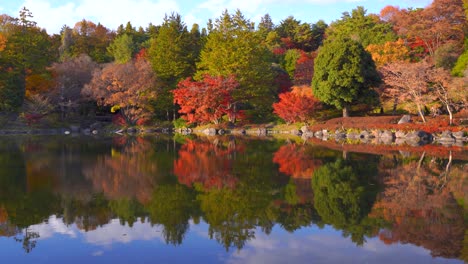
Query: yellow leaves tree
x=389, y=52
x=3, y=41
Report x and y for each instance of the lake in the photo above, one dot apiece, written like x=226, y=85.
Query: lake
x=165, y=199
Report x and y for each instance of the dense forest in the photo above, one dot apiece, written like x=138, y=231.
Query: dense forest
x=233, y=70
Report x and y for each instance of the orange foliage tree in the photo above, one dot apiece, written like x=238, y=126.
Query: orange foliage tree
x=206, y=100
x=299, y=105
x=294, y=161
x=129, y=87
x=3, y=41
x=389, y=52
x=207, y=164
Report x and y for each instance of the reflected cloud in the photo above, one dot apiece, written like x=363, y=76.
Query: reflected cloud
x=54, y=226
x=114, y=232
x=327, y=246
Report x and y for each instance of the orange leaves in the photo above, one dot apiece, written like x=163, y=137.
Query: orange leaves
x=206, y=164
x=3, y=41
x=298, y=105
x=207, y=100
x=37, y=84
x=129, y=86
x=389, y=52
x=294, y=161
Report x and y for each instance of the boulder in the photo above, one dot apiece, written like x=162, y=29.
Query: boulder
x=210, y=131
x=405, y=119
x=296, y=132
x=261, y=131
x=458, y=135
x=305, y=129
x=365, y=134
x=400, y=134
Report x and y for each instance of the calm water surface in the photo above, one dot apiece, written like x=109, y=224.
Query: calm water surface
x=226, y=200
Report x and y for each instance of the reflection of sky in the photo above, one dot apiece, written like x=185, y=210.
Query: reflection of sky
x=143, y=243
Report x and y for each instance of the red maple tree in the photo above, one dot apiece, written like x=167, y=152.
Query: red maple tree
x=206, y=100
x=299, y=105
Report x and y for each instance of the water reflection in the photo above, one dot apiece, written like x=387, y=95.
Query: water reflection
x=243, y=194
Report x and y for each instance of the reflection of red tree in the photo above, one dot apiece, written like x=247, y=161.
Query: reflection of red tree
x=3, y=215
x=207, y=164
x=422, y=210
x=294, y=161
x=125, y=174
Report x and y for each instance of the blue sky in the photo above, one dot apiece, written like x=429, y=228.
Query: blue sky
x=53, y=14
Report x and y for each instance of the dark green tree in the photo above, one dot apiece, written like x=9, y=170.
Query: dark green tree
x=344, y=74
x=344, y=195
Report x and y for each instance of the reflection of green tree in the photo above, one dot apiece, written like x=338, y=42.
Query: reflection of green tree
x=127, y=210
x=233, y=214
x=172, y=206
x=290, y=194
x=344, y=195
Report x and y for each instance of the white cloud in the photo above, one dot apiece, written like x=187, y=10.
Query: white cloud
x=53, y=226
x=109, y=14
x=114, y=232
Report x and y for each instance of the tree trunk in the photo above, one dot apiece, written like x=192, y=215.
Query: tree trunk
x=395, y=104
x=450, y=114
x=346, y=111
x=420, y=111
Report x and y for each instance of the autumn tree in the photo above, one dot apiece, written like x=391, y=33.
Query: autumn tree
x=448, y=90
x=440, y=23
x=408, y=82
x=71, y=76
x=23, y=61
x=128, y=87
x=206, y=100
x=91, y=39
x=388, y=52
x=233, y=48
x=344, y=73
x=173, y=52
x=298, y=105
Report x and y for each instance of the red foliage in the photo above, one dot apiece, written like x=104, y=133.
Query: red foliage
x=304, y=69
x=298, y=105
x=142, y=54
x=293, y=161
x=119, y=120
x=206, y=164
x=207, y=100
x=284, y=82
x=33, y=118
x=279, y=51
x=288, y=43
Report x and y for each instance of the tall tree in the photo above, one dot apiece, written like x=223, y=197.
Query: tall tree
x=233, y=48
x=344, y=73
x=122, y=48
x=363, y=28
x=170, y=52
x=27, y=52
